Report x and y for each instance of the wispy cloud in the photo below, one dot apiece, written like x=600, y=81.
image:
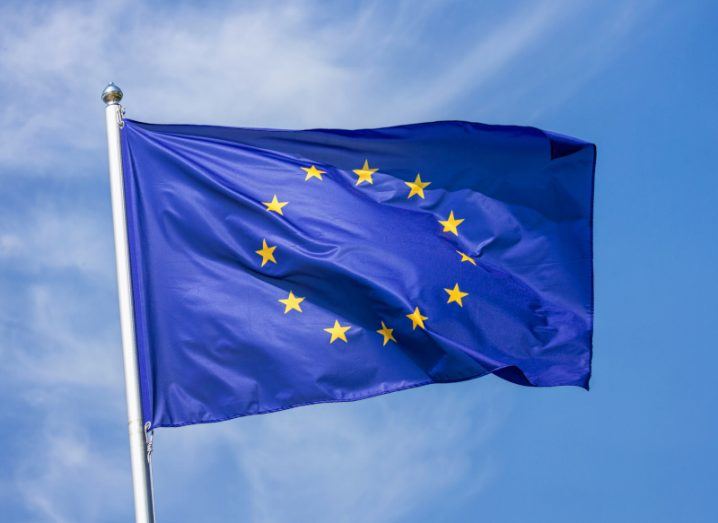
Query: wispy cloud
x=287, y=66
x=58, y=237
x=73, y=477
x=486, y=57
x=376, y=461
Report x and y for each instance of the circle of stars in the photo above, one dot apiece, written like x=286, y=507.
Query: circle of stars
x=364, y=174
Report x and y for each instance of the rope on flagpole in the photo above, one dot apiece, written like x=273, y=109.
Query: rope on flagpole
x=149, y=442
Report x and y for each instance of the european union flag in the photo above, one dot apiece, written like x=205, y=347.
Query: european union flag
x=273, y=269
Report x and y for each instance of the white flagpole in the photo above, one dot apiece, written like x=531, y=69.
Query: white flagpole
x=141, y=477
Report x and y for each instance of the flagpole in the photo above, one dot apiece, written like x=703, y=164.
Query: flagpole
x=139, y=457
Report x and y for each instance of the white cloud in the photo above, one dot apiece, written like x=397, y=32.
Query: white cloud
x=378, y=461
x=53, y=237
x=61, y=373
x=71, y=478
x=66, y=350
x=283, y=66
x=489, y=55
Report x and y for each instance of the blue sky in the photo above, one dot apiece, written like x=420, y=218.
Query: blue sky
x=636, y=78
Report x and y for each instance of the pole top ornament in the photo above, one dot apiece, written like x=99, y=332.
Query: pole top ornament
x=112, y=94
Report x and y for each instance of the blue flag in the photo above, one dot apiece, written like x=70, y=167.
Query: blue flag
x=273, y=269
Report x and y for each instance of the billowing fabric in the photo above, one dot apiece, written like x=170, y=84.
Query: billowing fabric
x=273, y=269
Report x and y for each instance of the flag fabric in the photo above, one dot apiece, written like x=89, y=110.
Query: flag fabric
x=273, y=269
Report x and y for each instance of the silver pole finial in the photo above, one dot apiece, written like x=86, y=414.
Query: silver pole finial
x=112, y=94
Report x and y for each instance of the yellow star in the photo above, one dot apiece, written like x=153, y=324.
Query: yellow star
x=417, y=320
x=291, y=303
x=312, y=172
x=275, y=205
x=451, y=224
x=365, y=173
x=417, y=187
x=466, y=258
x=338, y=332
x=456, y=295
x=387, y=333
x=267, y=253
